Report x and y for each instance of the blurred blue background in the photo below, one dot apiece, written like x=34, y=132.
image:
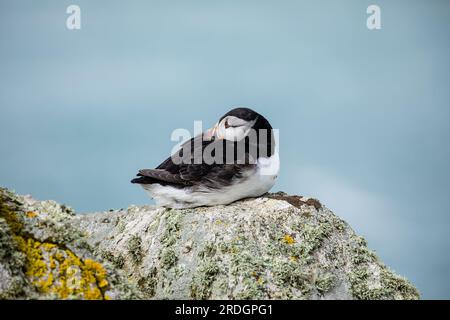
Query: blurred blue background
x=363, y=115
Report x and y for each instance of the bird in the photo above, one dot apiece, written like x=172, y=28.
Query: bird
x=237, y=158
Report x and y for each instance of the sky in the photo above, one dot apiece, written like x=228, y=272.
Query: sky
x=363, y=114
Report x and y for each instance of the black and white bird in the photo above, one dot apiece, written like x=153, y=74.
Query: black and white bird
x=238, y=159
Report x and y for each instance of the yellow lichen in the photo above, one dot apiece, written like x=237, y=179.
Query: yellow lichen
x=52, y=262
x=52, y=269
x=288, y=239
x=97, y=271
x=31, y=214
x=103, y=283
x=59, y=272
x=45, y=283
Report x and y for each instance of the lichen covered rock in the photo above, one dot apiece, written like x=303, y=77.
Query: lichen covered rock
x=42, y=256
x=273, y=247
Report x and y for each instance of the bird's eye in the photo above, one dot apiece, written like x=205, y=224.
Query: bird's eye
x=226, y=124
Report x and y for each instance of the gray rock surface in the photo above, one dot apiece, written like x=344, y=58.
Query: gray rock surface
x=273, y=247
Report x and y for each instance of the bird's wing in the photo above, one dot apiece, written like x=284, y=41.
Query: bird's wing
x=188, y=172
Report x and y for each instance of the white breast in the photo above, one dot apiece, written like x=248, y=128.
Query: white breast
x=255, y=184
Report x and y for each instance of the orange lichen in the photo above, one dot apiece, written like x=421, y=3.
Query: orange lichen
x=31, y=214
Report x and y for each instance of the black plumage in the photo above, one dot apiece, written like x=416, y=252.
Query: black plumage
x=213, y=175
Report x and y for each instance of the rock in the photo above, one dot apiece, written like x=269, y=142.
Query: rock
x=42, y=256
x=273, y=247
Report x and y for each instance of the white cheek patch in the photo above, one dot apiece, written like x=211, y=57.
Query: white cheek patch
x=236, y=134
x=239, y=129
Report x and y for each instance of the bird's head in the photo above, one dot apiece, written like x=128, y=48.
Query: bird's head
x=236, y=124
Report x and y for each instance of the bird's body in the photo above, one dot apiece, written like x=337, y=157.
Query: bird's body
x=251, y=183
x=184, y=180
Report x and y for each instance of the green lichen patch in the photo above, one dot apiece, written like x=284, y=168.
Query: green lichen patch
x=249, y=265
x=135, y=249
x=117, y=260
x=172, y=231
x=389, y=285
x=209, y=249
x=313, y=237
x=10, y=211
x=200, y=287
x=208, y=271
x=166, y=268
x=372, y=280
x=324, y=283
x=168, y=256
x=13, y=287
x=290, y=274
x=148, y=283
